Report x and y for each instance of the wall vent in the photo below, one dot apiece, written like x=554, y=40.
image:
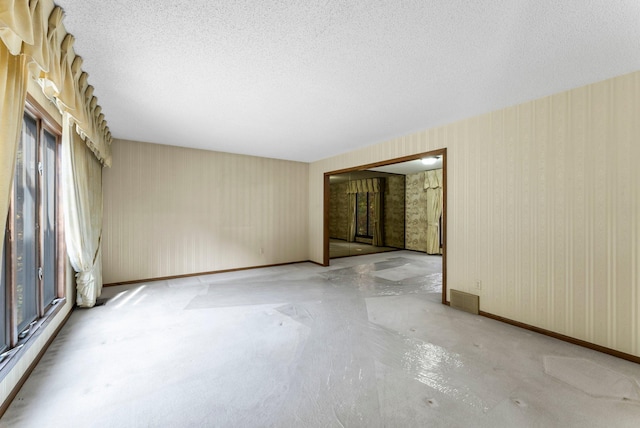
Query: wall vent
x=465, y=301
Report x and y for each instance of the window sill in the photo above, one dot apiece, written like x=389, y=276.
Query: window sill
x=13, y=356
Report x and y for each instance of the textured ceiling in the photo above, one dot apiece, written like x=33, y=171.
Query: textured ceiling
x=304, y=80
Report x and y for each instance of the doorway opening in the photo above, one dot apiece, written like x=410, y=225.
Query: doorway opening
x=368, y=183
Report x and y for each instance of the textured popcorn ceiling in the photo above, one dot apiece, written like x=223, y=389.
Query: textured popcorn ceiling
x=304, y=80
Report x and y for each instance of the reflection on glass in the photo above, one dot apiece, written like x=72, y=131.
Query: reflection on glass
x=361, y=214
x=353, y=221
x=49, y=218
x=3, y=291
x=364, y=214
x=25, y=224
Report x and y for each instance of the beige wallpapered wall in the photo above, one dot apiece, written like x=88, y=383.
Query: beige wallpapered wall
x=543, y=207
x=173, y=211
x=339, y=211
x=394, y=200
x=416, y=213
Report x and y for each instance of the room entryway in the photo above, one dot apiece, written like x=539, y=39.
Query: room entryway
x=398, y=204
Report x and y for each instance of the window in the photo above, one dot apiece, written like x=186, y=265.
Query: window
x=365, y=213
x=4, y=318
x=31, y=269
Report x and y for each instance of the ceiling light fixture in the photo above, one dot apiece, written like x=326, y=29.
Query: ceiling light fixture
x=430, y=161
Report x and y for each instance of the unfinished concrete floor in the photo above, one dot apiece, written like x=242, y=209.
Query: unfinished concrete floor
x=363, y=343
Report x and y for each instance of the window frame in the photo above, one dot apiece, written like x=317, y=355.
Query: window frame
x=17, y=342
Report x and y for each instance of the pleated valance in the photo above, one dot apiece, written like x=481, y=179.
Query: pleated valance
x=365, y=185
x=433, y=179
x=34, y=30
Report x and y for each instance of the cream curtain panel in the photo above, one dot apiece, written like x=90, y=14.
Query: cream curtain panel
x=82, y=201
x=34, y=42
x=433, y=186
x=13, y=91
